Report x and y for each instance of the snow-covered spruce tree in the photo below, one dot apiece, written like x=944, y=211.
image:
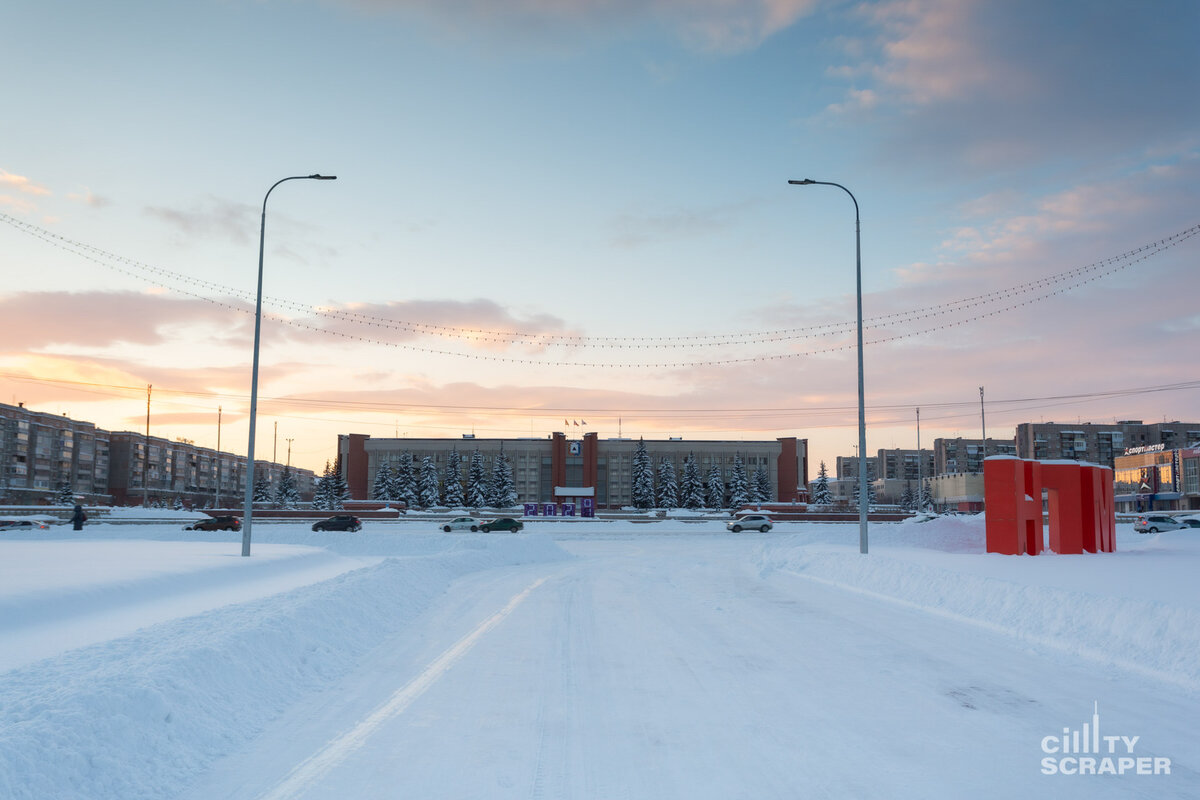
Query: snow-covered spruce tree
x=452, y=487
x=382, y=489
x=64, y=495
x=262, y=487
x=714, y=488
x=925, y=498
x=908, y=499
x=820, y=494
x=762, y=485
x=870, y=493
x=286, y=494
x=502, y=491
x=427, y=486
x=642, y=478
x=739, y=486
x=691, y=490
x=405, y=479
x=320, y=499
x=668, y=486
x=476, y=482
x=340, y=492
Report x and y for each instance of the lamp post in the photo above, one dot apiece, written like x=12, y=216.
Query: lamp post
x=862, y=414
x=248, y=513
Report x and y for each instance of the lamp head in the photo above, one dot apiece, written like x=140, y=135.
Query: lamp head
x=323, y=177
x=804, y=182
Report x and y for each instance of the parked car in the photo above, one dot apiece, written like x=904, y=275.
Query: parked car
x=502, y=524
x=750, y=522
x=338, y=522
x=461, y=524
x=1156, y=523
x=1191, y=522
x=216, y=524
x=18, y=524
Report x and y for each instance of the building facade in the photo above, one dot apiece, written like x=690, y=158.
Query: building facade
x=965, y=456
x=1099, y=443
x=1153, y=478
x=555, y=468
x=41, y=453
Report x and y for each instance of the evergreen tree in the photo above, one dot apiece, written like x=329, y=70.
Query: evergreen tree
x=64, y=495
x=925, y=502
x=476, y=482
x=691, y=490
x=908, y=500
x=321, y=488
x=452, y=485
x=714, y=488
x=739, y=486
x=870, y=493
x=262, y=487
x=668, y=487
x=642, y=478
x=427, y=489
x=383, y=489
x=821, y=495
x=287, y=495
x=502, y=491
x=405, y=479
x=762, y=485
x=340, y=492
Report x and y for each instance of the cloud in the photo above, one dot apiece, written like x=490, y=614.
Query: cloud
x=89, y=199
x=237, y=222
x=634, y=230
x=1010, y=83
x=101, y=319
x=22, y=184
x=724, y=26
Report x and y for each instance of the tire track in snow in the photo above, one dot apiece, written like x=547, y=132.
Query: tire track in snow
x=336, y=751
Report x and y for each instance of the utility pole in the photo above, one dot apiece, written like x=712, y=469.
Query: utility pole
x=920, y=466
x=146, y=459
x=217, y=488
x=983, y=424
x=289, y=461
x=275, y=447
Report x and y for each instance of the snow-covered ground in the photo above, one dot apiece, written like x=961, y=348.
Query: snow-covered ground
x=592, y=659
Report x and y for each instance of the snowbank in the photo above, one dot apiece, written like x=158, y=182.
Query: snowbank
x=1137, y=609
x=135, y=717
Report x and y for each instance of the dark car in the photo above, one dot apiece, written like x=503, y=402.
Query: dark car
x=340, y=522
x=1191, y=522
x=502, y=524
x=216, y=524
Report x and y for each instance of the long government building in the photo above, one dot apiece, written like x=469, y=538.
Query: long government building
x=559, y=468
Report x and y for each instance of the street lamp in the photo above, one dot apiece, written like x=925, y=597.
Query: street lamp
x=862, y=414
x=248, y=513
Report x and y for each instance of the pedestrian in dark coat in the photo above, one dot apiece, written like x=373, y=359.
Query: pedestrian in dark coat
x=78, y=518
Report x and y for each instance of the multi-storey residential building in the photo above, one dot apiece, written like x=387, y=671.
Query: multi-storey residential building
x=1099, y=443
x=955, y=456
x=552, y=469
x=41, y=453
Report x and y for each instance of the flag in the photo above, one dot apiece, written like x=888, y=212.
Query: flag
x=565, y=422
x=583, y=422
x=576, y=423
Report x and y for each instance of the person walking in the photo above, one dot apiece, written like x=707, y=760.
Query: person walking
x=78, y=518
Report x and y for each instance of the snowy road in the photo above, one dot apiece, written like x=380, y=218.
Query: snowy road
x=671, y=667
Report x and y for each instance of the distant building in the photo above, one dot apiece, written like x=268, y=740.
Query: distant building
x=40, y=452
x=1153, y=478
x=965, y=456
x=1099, y=443
x=558, y=467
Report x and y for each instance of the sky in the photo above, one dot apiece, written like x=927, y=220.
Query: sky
x=550, y=213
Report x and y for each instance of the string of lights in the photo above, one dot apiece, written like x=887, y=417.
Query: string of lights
x=1064, y=281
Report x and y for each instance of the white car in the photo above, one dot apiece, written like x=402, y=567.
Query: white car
x=461, y=524
x=22, y=524
x=750, y=522
x=1155, y=523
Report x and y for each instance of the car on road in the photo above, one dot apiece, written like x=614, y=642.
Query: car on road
x=20, y=524
x=461, y=524
x=1157, y=523
x=502, y=524
x=226, y=523
x=750, y=522
x=338, y=522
